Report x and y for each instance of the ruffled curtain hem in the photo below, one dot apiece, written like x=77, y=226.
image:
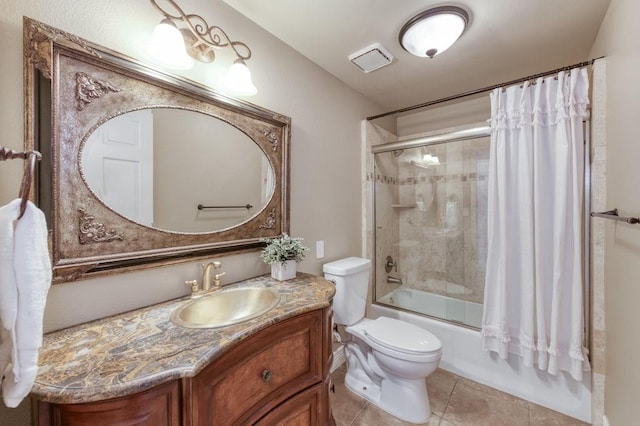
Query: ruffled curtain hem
x=573, y=360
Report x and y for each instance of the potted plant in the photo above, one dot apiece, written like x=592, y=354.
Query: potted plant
x=282, y=254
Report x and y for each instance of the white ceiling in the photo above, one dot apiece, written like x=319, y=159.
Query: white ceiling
x=506, y=40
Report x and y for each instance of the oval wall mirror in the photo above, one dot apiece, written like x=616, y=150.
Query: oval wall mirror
x=142, y=166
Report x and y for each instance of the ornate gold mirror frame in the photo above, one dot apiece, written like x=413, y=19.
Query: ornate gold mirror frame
x=88, y=85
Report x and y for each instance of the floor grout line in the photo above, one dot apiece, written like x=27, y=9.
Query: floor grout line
x=446, y=406
x=353, y=421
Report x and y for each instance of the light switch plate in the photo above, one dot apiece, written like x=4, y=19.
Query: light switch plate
x=319, y=249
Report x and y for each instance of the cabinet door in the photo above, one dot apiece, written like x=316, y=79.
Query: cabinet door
x=159, y=406
x=301, y=410
x=260, y=373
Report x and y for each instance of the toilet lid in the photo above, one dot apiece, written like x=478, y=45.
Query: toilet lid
x=402, y=336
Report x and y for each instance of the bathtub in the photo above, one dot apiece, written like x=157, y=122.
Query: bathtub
x=462, y=354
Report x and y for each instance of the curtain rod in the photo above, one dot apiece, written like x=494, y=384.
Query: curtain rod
x=485, y=89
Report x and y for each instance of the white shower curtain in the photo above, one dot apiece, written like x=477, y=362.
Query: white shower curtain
x=533, y=304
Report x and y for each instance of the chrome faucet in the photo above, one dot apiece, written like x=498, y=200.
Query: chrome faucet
x=207, y=282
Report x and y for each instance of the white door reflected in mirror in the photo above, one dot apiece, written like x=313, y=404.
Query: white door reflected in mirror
x=117, y=162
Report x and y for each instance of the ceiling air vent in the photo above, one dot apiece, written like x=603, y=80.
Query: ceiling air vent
x=371, y=58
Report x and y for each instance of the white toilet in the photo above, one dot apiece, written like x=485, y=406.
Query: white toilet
x=387, y=359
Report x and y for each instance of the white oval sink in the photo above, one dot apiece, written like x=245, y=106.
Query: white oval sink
x=226, y=307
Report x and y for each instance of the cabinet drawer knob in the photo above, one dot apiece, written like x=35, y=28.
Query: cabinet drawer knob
x=266, y=376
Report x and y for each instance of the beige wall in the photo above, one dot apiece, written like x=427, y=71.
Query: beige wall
x=618, y=40
x=325, y=152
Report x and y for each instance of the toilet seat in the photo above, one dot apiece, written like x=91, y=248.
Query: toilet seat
x=401, y=336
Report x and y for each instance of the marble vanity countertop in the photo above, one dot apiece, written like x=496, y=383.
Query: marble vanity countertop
x=134, y=351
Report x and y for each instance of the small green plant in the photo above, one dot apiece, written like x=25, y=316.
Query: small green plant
x=283, y=249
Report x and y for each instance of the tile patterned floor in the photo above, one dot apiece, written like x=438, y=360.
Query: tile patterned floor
x=455, y=401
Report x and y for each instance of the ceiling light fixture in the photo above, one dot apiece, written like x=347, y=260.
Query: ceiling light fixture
x=433, y=31
x=175, y=47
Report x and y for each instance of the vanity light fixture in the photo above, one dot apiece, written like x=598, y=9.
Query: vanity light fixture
x=176, y=47
x=433, y=31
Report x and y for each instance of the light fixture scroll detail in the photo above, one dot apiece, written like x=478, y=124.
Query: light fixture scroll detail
x=199, y=41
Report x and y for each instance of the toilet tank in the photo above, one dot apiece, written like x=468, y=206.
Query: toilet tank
x=351, y=276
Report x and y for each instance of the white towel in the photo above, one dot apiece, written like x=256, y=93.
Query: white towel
x=25, y=278
x=8, y=290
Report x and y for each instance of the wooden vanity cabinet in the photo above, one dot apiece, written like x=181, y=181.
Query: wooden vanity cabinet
x=279, y=376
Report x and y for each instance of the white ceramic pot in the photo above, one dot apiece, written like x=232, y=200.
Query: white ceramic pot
x=283, y=272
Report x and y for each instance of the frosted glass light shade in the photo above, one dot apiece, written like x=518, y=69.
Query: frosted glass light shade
x=238, y=80
x=167, y=47
x=433, y=31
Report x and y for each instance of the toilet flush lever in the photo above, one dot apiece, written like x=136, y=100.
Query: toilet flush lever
x=390, y=265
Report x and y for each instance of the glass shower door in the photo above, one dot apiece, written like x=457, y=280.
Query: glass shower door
x=430, y=229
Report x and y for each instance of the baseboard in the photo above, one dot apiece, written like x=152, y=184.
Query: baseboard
x=605, y=420
x=338, y=358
